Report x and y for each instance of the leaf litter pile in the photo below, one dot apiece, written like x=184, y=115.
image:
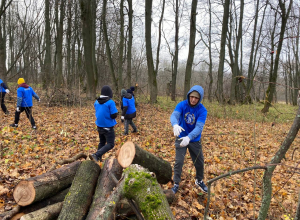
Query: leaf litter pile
x=228, y=145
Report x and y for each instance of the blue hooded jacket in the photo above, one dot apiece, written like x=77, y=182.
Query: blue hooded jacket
x=24, y=96
x=190, y=118
x=2, y=86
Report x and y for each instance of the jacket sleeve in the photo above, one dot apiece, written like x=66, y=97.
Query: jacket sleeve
x=3, y=85
x=35, y=95
x=113, y=110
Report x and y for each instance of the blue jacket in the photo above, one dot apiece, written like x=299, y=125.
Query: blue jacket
x=190, y=118
x=106, y=112
x=24, y=96
x=129, y=110
x=2, y=86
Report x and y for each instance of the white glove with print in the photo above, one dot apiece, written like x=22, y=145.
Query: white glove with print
x=185, y=141
x=18, y=109
x=7, y=91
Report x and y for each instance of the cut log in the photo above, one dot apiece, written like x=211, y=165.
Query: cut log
x=46, y=185
x=48, y=213
x=142, y=186
x=105, y=186
x=41, y=204
x=131, y=153
x=79, y=197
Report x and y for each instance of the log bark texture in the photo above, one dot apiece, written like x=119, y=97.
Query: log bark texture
x=105, y=186
x=46, y=185
x=131, y=153
x=47, y=213
x=80, y=195
x=142, y=186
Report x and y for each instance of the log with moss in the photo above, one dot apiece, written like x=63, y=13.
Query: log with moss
x=141, y=186
x=105, y=186
x=131, y=153
x=46, y=185
x=80, y=195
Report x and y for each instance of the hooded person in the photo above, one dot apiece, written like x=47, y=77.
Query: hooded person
x=128, y=112
x=123, y=93
x=188, y=119
x=3, y=91
x=106, y=113
x=24, y=102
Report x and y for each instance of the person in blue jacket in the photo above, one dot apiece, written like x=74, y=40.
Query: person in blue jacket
x=123, y=93
x=106, y=113
x=129, y=112
x=24, y=102
x=188, y=120
x=3, y=91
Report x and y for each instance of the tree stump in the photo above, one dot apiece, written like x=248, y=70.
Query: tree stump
x=47, y=213
x=46, y=185
x=105, y=186
x=142, y=186
x=79, y=197
x=131, y=153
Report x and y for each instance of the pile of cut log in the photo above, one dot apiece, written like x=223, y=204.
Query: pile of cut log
x=124, y=186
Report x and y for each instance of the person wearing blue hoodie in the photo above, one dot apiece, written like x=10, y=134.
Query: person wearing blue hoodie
x=3, y=91
x=24, y=102
x=188, y=120
x=128, y=112
x=106, y=113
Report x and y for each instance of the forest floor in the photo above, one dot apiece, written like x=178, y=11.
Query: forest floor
x=228, y=144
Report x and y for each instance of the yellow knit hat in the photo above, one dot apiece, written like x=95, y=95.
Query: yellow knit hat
x=20, y=81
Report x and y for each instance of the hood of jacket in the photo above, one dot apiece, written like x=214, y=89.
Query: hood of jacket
x=24, y=85
x=102, y=99
x=128, y=96
x=198, y=89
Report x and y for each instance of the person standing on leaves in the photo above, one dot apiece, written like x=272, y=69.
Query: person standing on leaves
x=129, y=112
x=106, y=113
x=24, y=102
x=123, y=93
x=3, y=91
x=188, y=120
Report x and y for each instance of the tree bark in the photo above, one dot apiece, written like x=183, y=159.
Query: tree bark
x=46, y=185
x=131, y=153
x=190, y=59
x=280, y=154
x=142, y=186
x=175, y=61
x=79, y=197
x=105, y=186
x=48, y=213
x=129, y=47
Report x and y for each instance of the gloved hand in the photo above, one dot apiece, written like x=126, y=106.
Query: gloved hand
x=7, y=91
x=122, y=118
x=185, y=141
x=39, y=100
x=177, y=130
x=18, y=109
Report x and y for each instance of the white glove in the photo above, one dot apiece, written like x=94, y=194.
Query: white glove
x=7, y=91
x=39, y=100
x=122, y=117
x=18, y=109
x=177, y=130
x=185, y=141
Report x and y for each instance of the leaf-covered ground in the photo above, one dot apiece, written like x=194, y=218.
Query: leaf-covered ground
x=228, y=145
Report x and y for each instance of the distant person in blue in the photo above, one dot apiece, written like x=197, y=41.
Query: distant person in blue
x=129, y=112
x=106, y=113
x=188, y=120
x=24, y=102
x=123, y=93
x=3, y=91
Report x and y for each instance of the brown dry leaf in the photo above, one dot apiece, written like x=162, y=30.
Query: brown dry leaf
x=3, y=190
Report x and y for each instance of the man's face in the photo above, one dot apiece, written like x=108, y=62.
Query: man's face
x=194, y=100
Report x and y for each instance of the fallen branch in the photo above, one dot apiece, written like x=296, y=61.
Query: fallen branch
x=69, y=160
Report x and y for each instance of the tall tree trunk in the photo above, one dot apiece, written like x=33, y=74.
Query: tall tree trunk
x=3, y=73
x=210, y=95
x=129, y=49
x=121, y=45
x=219, y=92
x=273, y=75
x=175, y=69
x=189, y=63
x=88, y=17
x=108, y=51
x=69, y=40
x=151, y=72
x=59, y=44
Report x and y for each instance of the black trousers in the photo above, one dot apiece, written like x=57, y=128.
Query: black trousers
x=107, y=141
x=3, y=107
x=28, y=112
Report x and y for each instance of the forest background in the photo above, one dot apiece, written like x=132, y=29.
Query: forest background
x=245, y=54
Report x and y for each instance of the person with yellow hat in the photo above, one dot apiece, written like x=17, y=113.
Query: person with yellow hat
x=3, y=91
x=188, y=119
x=24, y=102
